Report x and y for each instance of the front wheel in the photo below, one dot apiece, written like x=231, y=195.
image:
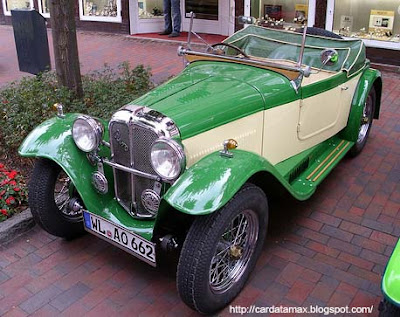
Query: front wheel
x=221, y=250
x=51, y=199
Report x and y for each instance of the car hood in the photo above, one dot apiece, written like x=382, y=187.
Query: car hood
x=209, y=94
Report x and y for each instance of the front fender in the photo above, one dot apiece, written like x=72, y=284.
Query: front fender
x=53, y=140
x=391, y=278
x=370, y=78
x=213, y=181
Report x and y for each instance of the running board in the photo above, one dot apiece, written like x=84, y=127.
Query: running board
x=322, y=161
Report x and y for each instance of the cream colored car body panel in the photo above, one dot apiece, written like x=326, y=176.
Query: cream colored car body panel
x=274, y=133
x=281, y=132
x=326, y=111
x=246, y=131
x=316, y=77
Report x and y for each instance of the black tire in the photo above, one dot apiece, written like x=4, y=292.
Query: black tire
x=194, y=275
x=43, y=206
x=365, y=126
x=387, y=309
x=320, y=32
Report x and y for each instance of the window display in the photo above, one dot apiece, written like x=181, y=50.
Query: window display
x=100, y=10
x=205, y=9
x=281, y=14
x=371, y=20
x=149, y=9
x=9, y=5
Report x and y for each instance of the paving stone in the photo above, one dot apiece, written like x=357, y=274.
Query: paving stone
x=40, y=299
x=67, y=298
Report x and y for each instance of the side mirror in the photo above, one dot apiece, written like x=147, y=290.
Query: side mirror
x=242, y=19
x=329, y=57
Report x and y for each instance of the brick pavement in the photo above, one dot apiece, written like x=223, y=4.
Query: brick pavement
x=330, y=250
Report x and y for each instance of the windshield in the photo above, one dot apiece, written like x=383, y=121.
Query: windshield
x=284, y=47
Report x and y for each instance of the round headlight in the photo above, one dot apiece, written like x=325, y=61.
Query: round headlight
x=87, y=133
x=167, y=159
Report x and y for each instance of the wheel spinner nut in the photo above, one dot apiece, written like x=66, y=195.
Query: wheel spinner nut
x=236, y=251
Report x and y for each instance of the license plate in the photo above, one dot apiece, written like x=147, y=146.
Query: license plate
x=120, y=237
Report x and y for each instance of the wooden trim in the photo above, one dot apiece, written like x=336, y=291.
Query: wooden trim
x=291, y=75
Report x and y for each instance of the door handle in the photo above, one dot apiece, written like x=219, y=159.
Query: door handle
x=344, y=87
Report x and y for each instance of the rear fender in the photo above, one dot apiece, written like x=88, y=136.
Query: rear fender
x=210, y=183
x=370, y=78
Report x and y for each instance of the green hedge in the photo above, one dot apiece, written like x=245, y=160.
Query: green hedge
x=25, y=104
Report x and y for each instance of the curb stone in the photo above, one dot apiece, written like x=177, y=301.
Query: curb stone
x=16, y=225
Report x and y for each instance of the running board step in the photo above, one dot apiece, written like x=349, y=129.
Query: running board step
x=327, y=158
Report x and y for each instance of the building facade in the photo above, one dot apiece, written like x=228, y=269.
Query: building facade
x=376, y=22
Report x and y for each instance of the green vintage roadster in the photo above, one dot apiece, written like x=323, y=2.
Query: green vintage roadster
x=189, y=166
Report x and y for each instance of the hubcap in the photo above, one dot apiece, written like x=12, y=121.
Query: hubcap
x=365, y=121
x=62, y=196
x=233, y=252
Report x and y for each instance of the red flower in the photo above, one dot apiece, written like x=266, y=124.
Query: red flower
x=13, y=183
x=12, y=174
x=4, y=212
x=10, y=200
x=1, y=165
x=17, y=189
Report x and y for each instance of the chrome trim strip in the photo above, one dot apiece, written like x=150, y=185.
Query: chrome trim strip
x=132, y=170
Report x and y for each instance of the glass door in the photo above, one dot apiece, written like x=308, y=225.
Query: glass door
x=211, y=16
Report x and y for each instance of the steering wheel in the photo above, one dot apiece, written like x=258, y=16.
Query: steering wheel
x=219, y=49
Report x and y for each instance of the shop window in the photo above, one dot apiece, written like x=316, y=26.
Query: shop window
x=206, y=9
x=100, y=10
x=371, y=19
x=9, y=5
x=44, y=8
x=281, y=14
x=149, y=9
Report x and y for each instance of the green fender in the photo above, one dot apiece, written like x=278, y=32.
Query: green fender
x=370, y=78
x=53, y=140
x=213, y=181
x=391, y=278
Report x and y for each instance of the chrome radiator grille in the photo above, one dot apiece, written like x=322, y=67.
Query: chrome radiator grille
x=130, y=146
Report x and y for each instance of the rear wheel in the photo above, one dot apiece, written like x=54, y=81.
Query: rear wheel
x=365, y=123
x=53, y=201
x=221, y=250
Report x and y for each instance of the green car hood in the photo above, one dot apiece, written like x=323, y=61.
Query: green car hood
x=209, y=94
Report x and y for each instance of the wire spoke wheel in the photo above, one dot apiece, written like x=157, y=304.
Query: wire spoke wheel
x=237, y=244
x=54, y=201
x=366, y=120
x=221, y=250
x=63, y=191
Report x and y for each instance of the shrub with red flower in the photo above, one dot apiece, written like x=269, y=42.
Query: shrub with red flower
x=13, y=193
